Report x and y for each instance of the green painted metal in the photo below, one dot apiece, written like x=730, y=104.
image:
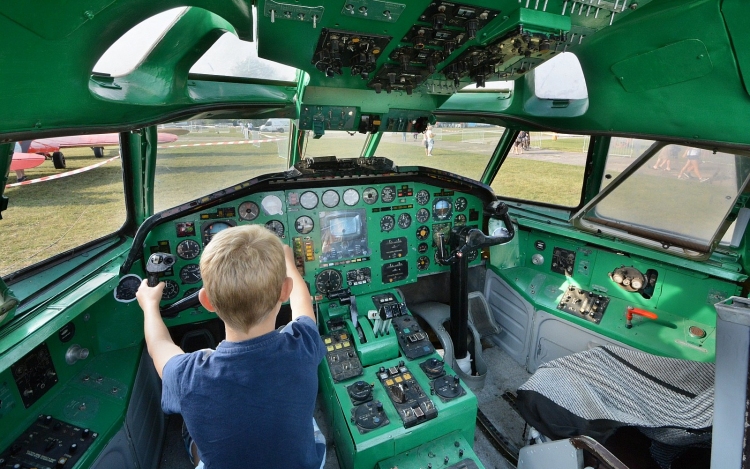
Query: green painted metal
x=596, y=167
x=360, y=451
x=498, y=156
x=372, y=144
x=450, y=449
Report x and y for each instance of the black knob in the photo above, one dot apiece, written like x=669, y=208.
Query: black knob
x=85, y=433
x=73, y=448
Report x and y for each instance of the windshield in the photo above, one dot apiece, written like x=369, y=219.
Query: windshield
x=209, y=155
x=680, y=193
x=462, y=148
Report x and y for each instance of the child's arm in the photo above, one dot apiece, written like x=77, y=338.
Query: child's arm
x=300, y=299
x=159, y=342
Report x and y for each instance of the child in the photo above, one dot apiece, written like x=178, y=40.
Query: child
x=250, y=402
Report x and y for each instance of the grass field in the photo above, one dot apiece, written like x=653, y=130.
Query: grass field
x=54, y=216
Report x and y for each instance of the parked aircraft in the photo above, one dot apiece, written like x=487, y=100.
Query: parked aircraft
x=51, y=147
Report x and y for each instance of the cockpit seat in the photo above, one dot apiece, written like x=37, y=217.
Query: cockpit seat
x=597, y=391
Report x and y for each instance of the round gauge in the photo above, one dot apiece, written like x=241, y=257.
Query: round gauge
x=188, y=249
x=423, y=263
x=460, y=204
x=422, y=248
x=387, y=223
x=441, y=209
x=423, y=197
x=388, y=194
x=127, y=287
x=331, y=198
x=460, y=220
x=210, y=230
x=404, y=220
x=370, y=195
x=277, y=227
x=191, y=273
x=171, y=290
x=351, y=197
x=328, y=280
x=309, y=200
x=272, y=205
x=249, y=211
x=423, y=215
x=304, y=225
x=473, y=254
x=423, y=233
x=190, y=291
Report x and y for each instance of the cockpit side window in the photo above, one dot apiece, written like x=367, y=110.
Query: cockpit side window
x=52, y=208
x=680, y=196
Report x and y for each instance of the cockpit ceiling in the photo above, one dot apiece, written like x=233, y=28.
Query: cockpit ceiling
x=651, y=67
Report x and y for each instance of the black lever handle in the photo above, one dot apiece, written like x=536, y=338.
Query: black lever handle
x=158, y=262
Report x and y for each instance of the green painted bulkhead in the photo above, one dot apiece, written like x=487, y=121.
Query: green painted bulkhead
x=672, y=71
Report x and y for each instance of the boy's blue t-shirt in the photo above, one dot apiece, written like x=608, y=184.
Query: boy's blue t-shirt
x=250, y=404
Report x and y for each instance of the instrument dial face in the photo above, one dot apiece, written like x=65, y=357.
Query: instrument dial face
x=190, y=291
x=127, y=287
x=388, y=194
x=248, y=211
x=277, y=227
x=328, y=280
x=460, y=219
x=171, y=290
x=423, y=197
x=351, y=197
x=441, y=209
x=188, y=249
x=460, y=204
x=422, y=248
x=423, y=215
x=473, y=255
x=272, y=205
x=404, y=220
x=331, y=198
x=309, y=200
x=387, y=223
x=423, y=233
x=423, y=263
x=304, y=225
x=370, y=195
x=212, y=229
x=191, y=273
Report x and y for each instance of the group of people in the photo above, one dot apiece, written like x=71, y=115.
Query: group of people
x=523, y=142
x=670, y=153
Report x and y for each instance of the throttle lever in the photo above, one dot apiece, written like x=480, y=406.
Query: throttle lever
x=158, y=262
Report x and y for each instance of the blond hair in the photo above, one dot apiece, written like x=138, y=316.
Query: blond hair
x=243, y=269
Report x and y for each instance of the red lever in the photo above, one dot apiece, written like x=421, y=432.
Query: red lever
x=640, y=312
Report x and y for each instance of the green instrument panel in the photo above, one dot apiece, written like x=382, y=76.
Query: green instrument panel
x=366, y=237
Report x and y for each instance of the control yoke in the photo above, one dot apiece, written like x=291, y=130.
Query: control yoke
x=158, y=262
x=463, y=240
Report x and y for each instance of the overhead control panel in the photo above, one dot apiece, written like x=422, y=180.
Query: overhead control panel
x=358, y=52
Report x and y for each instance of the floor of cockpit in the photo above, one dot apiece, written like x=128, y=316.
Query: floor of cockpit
x=504, y=374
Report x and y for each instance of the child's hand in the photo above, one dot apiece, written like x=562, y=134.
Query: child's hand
x=149, y=297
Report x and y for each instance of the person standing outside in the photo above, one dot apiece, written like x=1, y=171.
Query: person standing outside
x=693, y=159
x=428, y=139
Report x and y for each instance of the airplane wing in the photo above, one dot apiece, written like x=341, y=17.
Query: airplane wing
x=25, y=161
x=50, y=145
